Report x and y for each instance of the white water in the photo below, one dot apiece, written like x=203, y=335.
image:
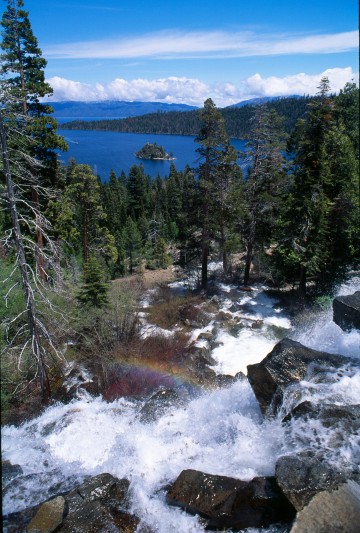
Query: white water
x=221, y=432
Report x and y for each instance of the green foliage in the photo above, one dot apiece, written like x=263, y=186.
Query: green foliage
x=94, y=288
x=152, y=151
x=320, y=222
x=237, y=120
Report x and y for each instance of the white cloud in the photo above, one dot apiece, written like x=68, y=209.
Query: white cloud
x=194, y=92
x=298, y=83
x=170, y=44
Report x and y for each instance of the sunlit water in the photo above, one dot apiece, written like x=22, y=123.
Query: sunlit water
x=220, y=432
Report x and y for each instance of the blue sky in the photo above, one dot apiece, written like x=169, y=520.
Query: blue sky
x=186, y=51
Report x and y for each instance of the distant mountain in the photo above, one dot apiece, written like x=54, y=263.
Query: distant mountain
x=263, y=100
x=112, y=109
x=237, y=120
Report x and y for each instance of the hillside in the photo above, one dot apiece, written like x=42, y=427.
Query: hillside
x=112, y=109
x=237, y=120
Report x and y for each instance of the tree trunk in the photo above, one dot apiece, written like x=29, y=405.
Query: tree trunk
x=28, y=292
x=302, y=283
x=224, y=252
x=204, y=259
x=248, y=260
x=249, y=253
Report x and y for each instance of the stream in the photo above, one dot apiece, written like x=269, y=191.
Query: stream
x=219, y=432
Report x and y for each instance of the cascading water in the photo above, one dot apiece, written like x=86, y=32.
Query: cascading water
x=220, y=432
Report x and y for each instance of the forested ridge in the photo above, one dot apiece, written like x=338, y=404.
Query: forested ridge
x=237, y=120
x=291, y=221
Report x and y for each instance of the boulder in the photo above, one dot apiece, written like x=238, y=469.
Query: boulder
x=303, y=475
x=346, y=311
x=288, y=363
x=104, y=487
x=99, y=504
x=48, y=517
x=225, y=502
x=158, y=405
x=331, y=512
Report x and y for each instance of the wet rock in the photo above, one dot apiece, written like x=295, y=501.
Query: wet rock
x=225, y=502
x=331, y=512
x=257, y=324
x=200, y=356
x=347, y=311
x=194, y=316
x=9, y=472
x=302, y=476
x=92, y=387
x=93, y=517
x=104, y=487
x=48, y=517
x=158, y=405
x=222, y=316
x=99, y=504
x=206, y=336
x=287, y=363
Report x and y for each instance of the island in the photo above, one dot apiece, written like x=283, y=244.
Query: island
x=154, y=151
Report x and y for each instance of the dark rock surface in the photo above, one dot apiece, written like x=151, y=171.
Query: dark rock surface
x=99, y=504
x=302, y=476
x=225, y=502
x=287, y=363
x=331, y=512
x=347, y=311
x=159, y=404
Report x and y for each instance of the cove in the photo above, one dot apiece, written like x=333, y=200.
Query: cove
x=105, y=151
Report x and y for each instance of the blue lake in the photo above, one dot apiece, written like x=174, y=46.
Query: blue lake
x=105, y=151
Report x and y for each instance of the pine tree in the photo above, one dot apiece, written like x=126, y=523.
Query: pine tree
x=214, y=154
x=81, y=218
x=319, y=227
x=22, y=72
x=263, y=182
x=94, y=290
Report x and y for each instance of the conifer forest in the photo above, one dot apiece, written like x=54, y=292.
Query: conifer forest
x=74, y=250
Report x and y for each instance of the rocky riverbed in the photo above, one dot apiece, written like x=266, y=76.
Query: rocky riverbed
x=274, y=447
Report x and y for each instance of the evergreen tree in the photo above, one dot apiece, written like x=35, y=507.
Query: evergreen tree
x=81, y=218
x=94, y=289
x=214, y=154
x=23, y=84
x=133, y=244
x=138, y=188
x=320, y=224
x=263, y=183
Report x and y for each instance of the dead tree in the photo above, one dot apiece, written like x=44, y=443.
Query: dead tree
x=37, y=333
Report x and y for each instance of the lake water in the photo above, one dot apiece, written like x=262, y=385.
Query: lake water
x=105, y=151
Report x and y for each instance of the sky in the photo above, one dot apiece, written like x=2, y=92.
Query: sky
x=184, y=51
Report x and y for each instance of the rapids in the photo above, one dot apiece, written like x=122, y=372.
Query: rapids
x=219, y=432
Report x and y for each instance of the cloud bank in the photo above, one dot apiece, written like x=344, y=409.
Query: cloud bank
x=171, y=44
x=193, y=91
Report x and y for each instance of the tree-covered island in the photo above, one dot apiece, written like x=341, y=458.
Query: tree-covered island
x=154, y=151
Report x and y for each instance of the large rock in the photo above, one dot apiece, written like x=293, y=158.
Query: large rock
x=302, y=476
x=159, y=404
x=99, y=504
x=347, y=311
x=48, y=517
x=225, y=502
x=331, y=512
x=287, y=363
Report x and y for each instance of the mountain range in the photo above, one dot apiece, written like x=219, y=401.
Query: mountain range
x=112, y=109
x=115, y=109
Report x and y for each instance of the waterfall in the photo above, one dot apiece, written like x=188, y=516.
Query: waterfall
x=220, y=432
